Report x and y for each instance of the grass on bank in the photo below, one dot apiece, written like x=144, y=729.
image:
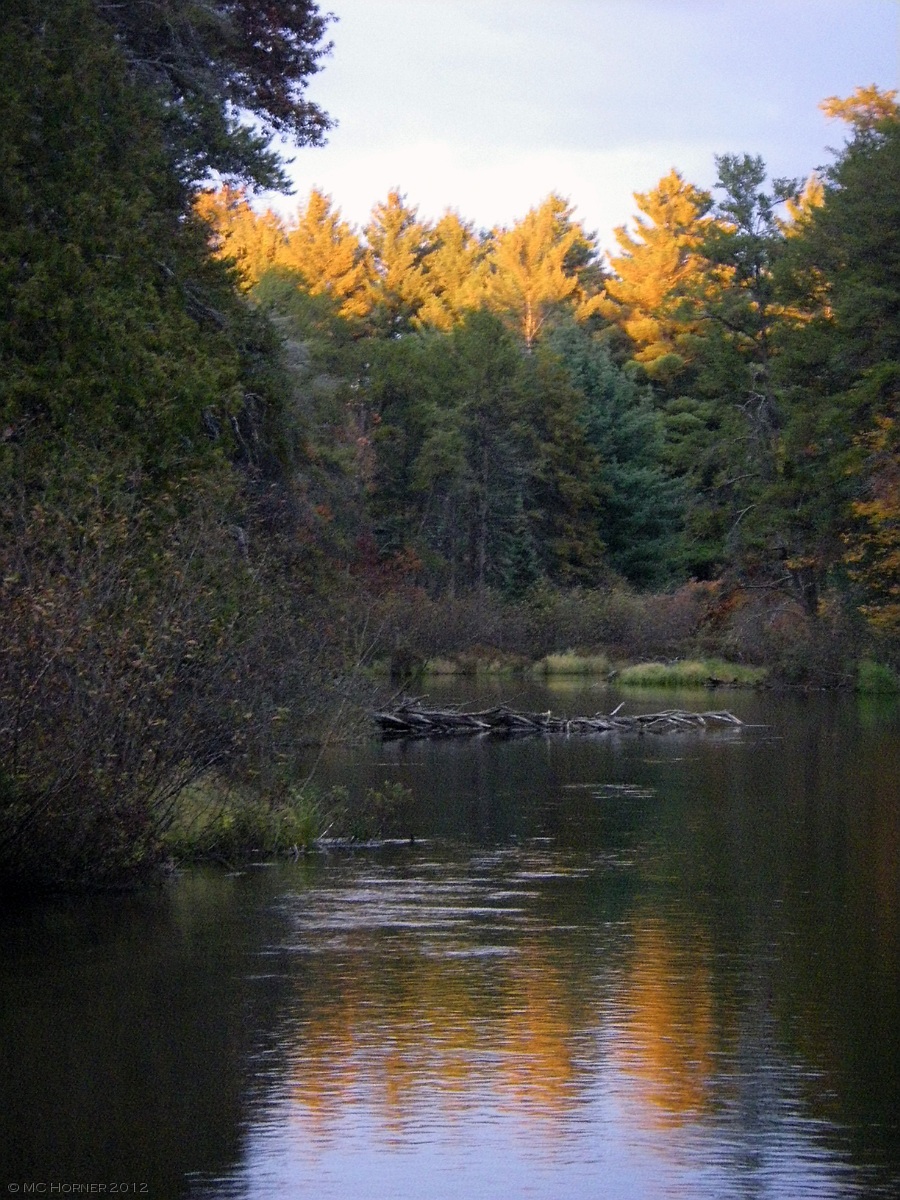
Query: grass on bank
x=214, y=823
x=708, y=672
x=569, y=662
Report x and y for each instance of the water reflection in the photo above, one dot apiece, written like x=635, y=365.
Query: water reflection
x=645, y=968
x=460, y=999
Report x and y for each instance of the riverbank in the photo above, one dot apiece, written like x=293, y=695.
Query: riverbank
x=865, y=676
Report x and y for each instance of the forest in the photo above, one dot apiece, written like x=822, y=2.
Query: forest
x=244, y=460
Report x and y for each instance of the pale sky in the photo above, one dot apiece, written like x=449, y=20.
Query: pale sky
x=486, y=106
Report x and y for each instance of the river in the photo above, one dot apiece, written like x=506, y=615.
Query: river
x=632, y=968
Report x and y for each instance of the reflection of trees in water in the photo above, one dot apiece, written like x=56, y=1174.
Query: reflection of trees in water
x=666, y=1035
x=403, y=1029
x=530, y=1025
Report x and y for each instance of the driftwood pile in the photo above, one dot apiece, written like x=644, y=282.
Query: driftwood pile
x=410, y=719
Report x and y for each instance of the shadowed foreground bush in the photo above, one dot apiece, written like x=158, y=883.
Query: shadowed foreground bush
x=134, y=659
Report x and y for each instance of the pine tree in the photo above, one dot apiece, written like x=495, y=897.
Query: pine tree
x=842, y=281
x=455, y=273
x=638, y=512
x=397, y=244
x=326, y=255
x=660, y=274
x=229, y=76
x=251, y=241
x=536, y=267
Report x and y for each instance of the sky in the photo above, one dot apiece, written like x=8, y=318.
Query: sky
x=486, y=106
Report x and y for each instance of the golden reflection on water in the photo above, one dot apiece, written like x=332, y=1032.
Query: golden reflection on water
x=665, y=1038
x=502, y=1014
x=398, y=1031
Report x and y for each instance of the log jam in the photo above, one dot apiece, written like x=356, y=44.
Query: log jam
x=411, y=719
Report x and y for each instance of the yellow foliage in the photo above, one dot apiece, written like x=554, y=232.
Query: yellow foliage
x=249, y=239
x=327, y=255
x=864, y=108
x=455, y=273
x=397, y=243
x=532, y=270
x=801, y=209
x=660, y=267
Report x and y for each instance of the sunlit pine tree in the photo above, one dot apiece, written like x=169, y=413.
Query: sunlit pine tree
x=535, y=267
x=397, y=245
x=327, y=255
x=660, y=265
x=251, y=240
x=455, y=273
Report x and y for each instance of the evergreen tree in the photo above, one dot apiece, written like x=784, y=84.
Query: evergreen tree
x=251, y=241
x=841, y=279
x=638, y=516
x=660, y=272
x=397, y=246
x=228, y=75
x=143, y=448
x=326, y=255
x=111, y=311
x=733, y=420
x=537, y=268
x=455, y=273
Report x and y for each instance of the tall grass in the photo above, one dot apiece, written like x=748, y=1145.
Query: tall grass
x=233, y=824
x=708, y=672
x=571, y=663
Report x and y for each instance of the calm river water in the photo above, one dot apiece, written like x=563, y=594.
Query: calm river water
x=622, y=968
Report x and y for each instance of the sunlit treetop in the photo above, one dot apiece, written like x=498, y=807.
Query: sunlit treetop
x=251, y=241
x=456, y=272
x=864, y=109
x=800, y=208
x=326, y=253
x=536, y=266
x=397, y=244
x=660, y=265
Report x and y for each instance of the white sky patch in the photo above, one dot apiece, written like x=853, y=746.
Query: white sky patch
x=486, y=106
x=501, y=187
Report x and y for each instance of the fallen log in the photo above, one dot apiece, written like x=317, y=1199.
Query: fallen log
x=411, y=719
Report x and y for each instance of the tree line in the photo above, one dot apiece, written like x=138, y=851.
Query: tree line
x=239, y=456
x=718, y=400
